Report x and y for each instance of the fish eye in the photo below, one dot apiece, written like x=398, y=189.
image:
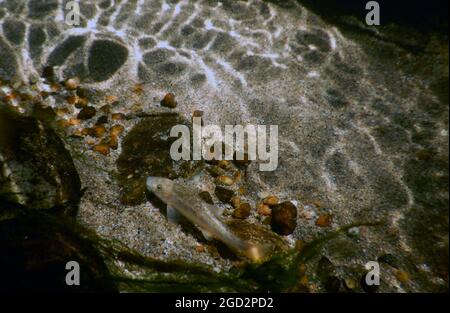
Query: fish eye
x=159, y=186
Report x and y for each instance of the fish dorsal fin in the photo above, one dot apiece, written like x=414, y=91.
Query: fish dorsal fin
x=172, y=215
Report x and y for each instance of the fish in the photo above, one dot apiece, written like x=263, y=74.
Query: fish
x=185, y=200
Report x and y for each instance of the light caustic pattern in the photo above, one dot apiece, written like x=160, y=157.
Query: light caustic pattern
x=212, y=42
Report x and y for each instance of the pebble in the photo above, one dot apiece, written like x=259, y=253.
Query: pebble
x=98, y=131
x=72, y=83
x=225, y=164
x=116, y=130
x=113, y=142
x=270, y=200
x=117, y=116
x=81, y=102
x=74, y=121
x=169, y=101
x=206, y=196
x=72, y=99
x=101, y=148
x=264, y=209
x=224, y=180
x=224, y=194
x=87, y=113
x=242, y=211
x=215, y=171
x=102, y=119
x=284, y=218
x=236, y=201
x=324, y=220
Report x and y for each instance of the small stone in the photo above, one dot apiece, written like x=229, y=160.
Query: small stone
x=116, y=130
x=284, y=218
x=117, y=116
x=200, y=248
x=169, y=101
x=206, y=196
x=82, y=92
x=224, y=194
x=87, y=113
x=72, y=83
x=106, y=109
x=271, y=200
x=215, y=171
x=264, y=209
x=113, y=142
x=98, y=131
x=224, y=180
x=72, y=99
x=242, y=211
x=402, y=276
x=102, y=119
x=235, y=201
x=81, y=102
x=225, y=164
x=101, y=148
x=74, y=121
x=324, y=220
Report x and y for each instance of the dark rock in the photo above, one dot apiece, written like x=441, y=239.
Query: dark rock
x=206, y=196
x=35, y=249
x=40, y=172
x=284, y=218
x=87, y=113
x=169, y=101
x=224, y=194
x=146, y=152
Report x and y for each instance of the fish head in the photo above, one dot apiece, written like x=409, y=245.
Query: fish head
x=160, y=186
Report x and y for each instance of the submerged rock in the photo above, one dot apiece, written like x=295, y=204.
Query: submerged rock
x=36, y=170
x=146, y=152
x=284, y=218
